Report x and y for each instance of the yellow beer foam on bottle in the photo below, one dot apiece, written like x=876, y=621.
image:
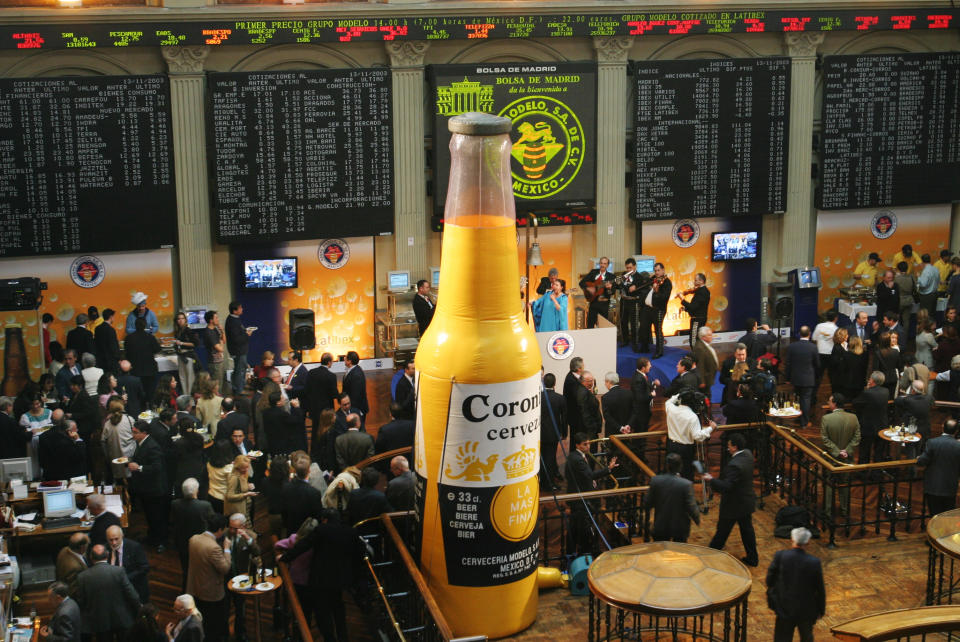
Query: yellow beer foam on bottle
x=479, y=340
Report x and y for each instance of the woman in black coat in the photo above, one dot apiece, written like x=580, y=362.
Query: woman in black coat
x=838, y=362
x=857, y=361
x=191, y=461
x=889, y=361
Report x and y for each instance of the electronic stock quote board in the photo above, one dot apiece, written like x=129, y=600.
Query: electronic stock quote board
x=891, y=130
x=86, y=165
x=710, y=137
x=300, y=154
x=553, y=109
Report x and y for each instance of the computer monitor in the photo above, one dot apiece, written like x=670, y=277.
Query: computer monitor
x=58, y=503
x=434, y=277
x=398, y=280
x=808, y=278
x=645, y=262
x=195, y=320
x=15, y=468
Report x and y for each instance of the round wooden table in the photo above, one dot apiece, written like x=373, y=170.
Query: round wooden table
x=893, y=436
x=668, y=588
x=256, y=594
x=794, y=414
x=943, y=560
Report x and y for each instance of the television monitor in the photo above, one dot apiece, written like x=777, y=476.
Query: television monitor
x=270, y=274
x=195, y=320
x=16, y=468
x=435, y=277
x=58, y=503
x=398, y=280
x=734, y=246
x=808, y=278
x=645, y=262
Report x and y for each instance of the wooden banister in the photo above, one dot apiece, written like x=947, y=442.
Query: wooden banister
x=298, y=615
x=893, y=625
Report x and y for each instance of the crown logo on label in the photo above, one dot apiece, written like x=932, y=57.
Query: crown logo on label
x=520, y=463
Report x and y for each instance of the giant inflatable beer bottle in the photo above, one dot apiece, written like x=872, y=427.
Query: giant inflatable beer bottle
x=478, y=401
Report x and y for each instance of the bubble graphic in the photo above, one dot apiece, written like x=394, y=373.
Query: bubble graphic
x=31, y=322
x=33, y=342
x=284, y=304
x=720, y=303
x=834, y=282
x=351, y=297
x=848, y=265
x=53, y=298
x=858, y=246
x=165, y=303
x=368, y=289
x=837, y=260
x=65, y=313
x=336, y=287
x=163, y=294
x=718, y=267
x=341, y=309
x=299, y=292
x=826, y=260
x=847, y=281
x=687, y=265
x=362, y=306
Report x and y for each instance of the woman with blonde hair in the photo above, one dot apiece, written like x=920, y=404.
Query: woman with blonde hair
x=838, y=364
x=208, y=406
x=117, y=437
x=219, y=467
x=856, y=359
x=239, y=490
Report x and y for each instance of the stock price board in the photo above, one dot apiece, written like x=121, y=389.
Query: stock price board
x=300, y=154
x=553, y=109
x=710, y=137
x=329, y=27
x=891, y=130
x=86, y=165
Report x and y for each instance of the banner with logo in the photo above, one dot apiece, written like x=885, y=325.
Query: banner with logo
x=553, y=109
x=847, y=237
x=104, y=280
x=684, y=248
x=335, y=280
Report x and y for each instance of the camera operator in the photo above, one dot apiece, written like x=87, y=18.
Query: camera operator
x=684, y=428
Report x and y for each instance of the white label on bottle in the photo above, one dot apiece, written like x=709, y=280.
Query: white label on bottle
x=493, y=434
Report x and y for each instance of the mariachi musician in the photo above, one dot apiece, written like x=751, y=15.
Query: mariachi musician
x=697, y=306
x=657, y=299
x=629, y=283
x=597, y=286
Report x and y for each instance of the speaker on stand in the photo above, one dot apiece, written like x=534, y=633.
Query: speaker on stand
x=303, y=336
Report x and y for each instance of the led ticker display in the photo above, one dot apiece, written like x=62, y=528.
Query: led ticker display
x=891, y=130
x=112, y=34
x=87, y=165
x=541, y=219
x=710, y=137
x=300, y=154
x=553, y=109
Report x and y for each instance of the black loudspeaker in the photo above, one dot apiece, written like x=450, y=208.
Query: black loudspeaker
x=302, y=333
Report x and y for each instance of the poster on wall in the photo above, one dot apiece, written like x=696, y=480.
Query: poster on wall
x=553, y=109
x=847, y=237
x=334, y=279
x=685, y=248
x=104, y=280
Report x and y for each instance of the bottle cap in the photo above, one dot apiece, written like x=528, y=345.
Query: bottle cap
x=476, y=123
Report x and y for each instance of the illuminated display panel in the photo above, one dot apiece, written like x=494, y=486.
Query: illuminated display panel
x=891, y=130
x=300, y=154
x=86, y=165
x=542, y=219
x=553, y=109
x=349, y=29
x=710, y=137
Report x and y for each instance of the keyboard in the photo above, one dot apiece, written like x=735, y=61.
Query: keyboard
x=60, y=522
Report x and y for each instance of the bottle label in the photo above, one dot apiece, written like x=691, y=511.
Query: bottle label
x=488, y=487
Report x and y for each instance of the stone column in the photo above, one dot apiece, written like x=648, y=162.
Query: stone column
x=799, y=227
x=411, y=219
x=612, y=52
x=195, y=245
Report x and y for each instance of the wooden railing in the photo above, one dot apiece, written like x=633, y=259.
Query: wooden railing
x=294, y=615
x=903, y=624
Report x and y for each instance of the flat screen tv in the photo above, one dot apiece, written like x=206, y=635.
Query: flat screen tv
x=734, y=246
x=270, y=274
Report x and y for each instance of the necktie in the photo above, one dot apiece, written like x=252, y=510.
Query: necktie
x=290, y=377
x=116, y=558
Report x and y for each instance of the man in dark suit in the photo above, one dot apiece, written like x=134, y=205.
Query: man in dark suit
x=726, y=370
x=299, y=500
x=296, y=381
x=553, y=429
x=102, y=519
x=189, y=519
x=243, y=548
x=353, y=446
x=406, y=394
x=367, y=501
x=756, y=342
x=81, y=339
x=582, y=478
x=340, y=417
x=742, y=409
x=671, y=498
x=396, y=434
x=571, y=384
x=130, y=385
x=870, y=407
x=129, y=555
x=891, y=323
x=803, y=363
x=238, y=344
x=600, y=279
x=355, y=385
x=686, y=378
x=617, y=404
x=107, y=598
x=659, y=298
x=423, y=306
x=738, y=499
x=188, y=627
x=69, y=370
x=148, y=483
x=942, y=460
x=795, y=589
x=283, y=430
x=65, y=625
x=590, y=419
x=105, y=339
x=82, y=408
x=321, y=387
x=697, y=307
x=13, y=436
x=915, y=407
x=62, y=453
x=140, y=348
x=642, y=391
x=401, y=490
x=231, y=419
x=163, y=429
x=706, y=359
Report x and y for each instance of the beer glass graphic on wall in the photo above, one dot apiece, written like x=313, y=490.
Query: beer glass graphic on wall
x=534, y=149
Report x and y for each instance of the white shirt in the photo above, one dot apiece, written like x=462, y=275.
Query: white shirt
x=823, y=334
x=683, y=425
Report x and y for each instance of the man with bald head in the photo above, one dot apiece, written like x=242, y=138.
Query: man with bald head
x=107, y=599
x=71, y=561
x=400, y=489
x=129, y=555
x=131, y=388
x=588, y=406
x=243, y=544
x=354, y=445
x=102, y=518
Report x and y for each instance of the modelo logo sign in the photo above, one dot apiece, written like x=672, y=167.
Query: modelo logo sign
x=553, y=110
